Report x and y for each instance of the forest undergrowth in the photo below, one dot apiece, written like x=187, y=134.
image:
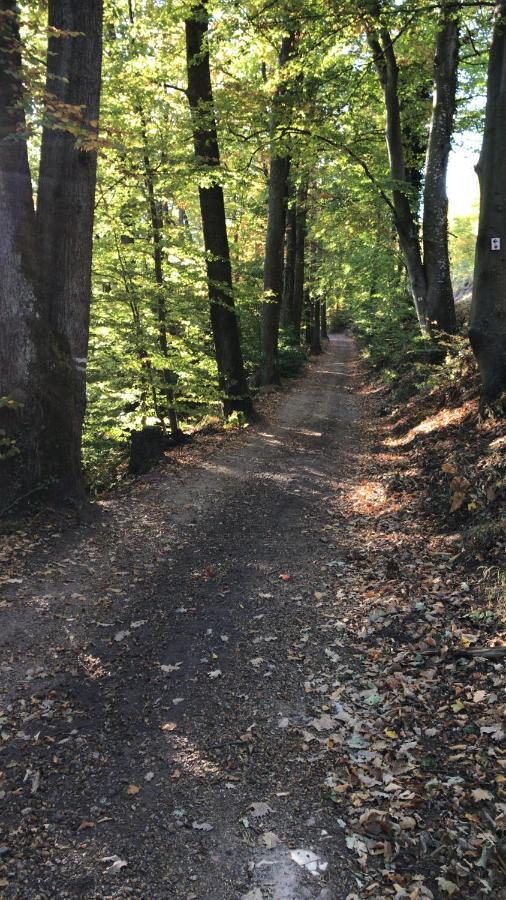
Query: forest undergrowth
x=424, y=620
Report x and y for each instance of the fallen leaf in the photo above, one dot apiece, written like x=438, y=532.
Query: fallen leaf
x=324, y=723
x=171, y=668
x=133, y=789
x=121, y=635
x=449, y=887
x=270, y=839
x=258, y=810
x=116, y=863
x=202, y=826
x=309, y=861
x=481, y=794
x=458, y=499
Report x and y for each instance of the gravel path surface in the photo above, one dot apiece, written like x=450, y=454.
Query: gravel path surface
x=153, y=667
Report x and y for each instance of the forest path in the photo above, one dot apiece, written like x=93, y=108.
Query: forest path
x=225, y=573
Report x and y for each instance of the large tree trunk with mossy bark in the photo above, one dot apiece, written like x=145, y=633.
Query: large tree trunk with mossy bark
x=232, y=377
x=37, y=436
x=488, y=309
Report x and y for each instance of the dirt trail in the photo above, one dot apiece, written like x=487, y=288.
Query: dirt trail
x=224, y=573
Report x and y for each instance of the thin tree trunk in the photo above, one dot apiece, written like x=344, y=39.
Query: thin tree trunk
x=440, y=303
x=307, y=317
x=289, y=268
x=276, y=223
x=156, y=217
x=316, y=344
x=314, y=306
x=488, y=309
x=66, y=195
x=35, y=412
x=147, y=377
x=299, y=269
x=323, y=321
x=225, y=327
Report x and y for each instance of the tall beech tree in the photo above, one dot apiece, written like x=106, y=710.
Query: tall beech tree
x=488, y=310
x=283, y=112
x=224, y=322
x=24, y=341
x=295, y=325
x=286, y=315
x=276, y=223
x=46, y=260
x=67, y=182
x=427, y=260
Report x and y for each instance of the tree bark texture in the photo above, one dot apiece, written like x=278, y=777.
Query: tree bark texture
x=440, y=305
x=323, y=321
x=224, y=322
x=316, y=344
x=299, y=268
x=289, y=268
x=67, y=181
x=38, y=419
x=274, y=243
x=488, y=309
x=428, y=273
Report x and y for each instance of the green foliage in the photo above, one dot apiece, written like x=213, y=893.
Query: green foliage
x=235, y=420
x=151, y=352
x=462, y=242
x=292, y=358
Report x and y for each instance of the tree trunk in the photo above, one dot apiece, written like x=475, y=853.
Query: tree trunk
x=307, y=317
x=289, y=269
x=66, y=198
x=35, y=428
x=316, y=344
x=440, y=305
x=276, y=223
x=488, y=309
x=323, y=321
x=428, y=278
x=156, y=217
x=225, y=327
x=299, y=269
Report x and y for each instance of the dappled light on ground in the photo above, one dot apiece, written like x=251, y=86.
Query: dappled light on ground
x=251, y=659
x=371, y=498
x=445, y=418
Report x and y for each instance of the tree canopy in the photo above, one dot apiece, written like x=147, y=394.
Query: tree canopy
x=332, y=123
